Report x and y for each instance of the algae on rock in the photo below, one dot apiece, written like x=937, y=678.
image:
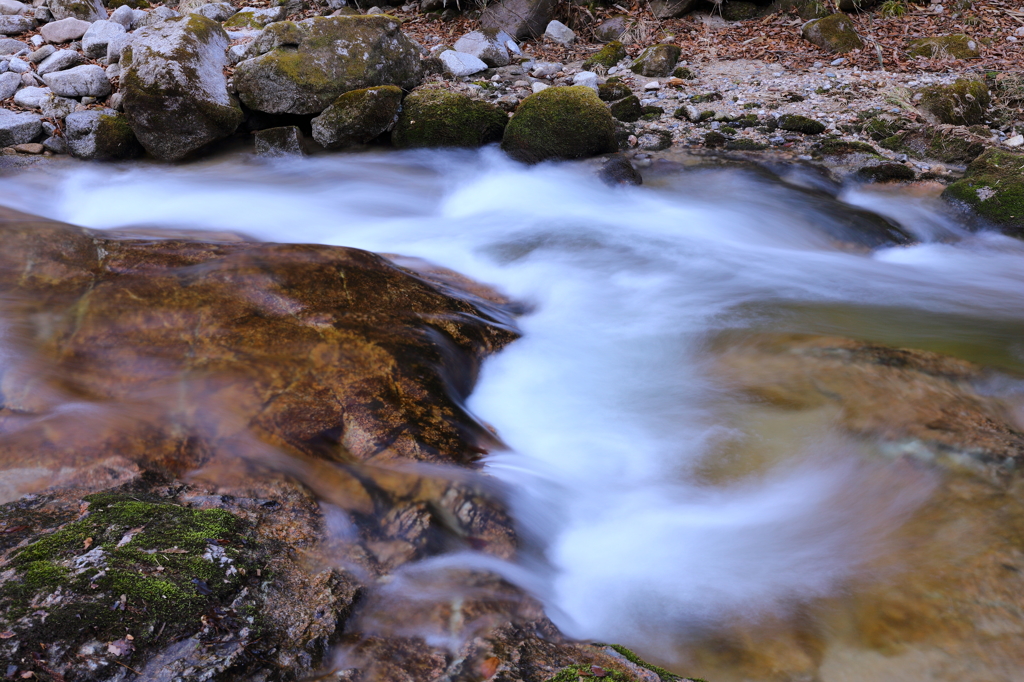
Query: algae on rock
x=994, y=187
x=433, y=117
x=302, y=67
x=560, y=123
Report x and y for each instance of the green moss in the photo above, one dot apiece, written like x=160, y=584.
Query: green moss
x=715, y=139
x=835, y=146
x=651, y=113
x=745, y=145
x=657, y=61
x=885, y=172
x=630, y=656
x=739, y=10
x=994, y=186
x=574, y=673
x=608, y=56
x=609, y=92
x=627, y=109
x=129, y=566
x=801, y=124
x=746, y=121
x=834, y=33
x=882, y=127
x=560, y=123
x=962, y=103
x=945, y=47
x=134, y=4
x=727, y=130
x=706, y=97
x=433, y=117
x=684, y=73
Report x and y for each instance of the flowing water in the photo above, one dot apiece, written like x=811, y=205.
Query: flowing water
x=720, y=537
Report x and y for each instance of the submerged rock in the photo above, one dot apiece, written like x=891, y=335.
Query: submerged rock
x=432, y=117
x=994, y=187
x=302, y=67
x=560, y=123
x=175, y=91
x=357, y=117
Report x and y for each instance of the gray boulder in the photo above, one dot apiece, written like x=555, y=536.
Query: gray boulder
x=357, y=117
x=58, y=61
x=611, y=29
x=559, y=33
x=31, y=97
x=87, y=10
x=57, y=107
x=834, y=33
x=13, y=7
x=302, y=67
x=11, y=46
x=283, y=141
x=100, y=135
x=18, y=128
x=87, y=80
x=117, y=45
x=487, y=45
x=175, y=93
x=9, y=84
x=459, y=64
x=65, y=30
x=253, y=17
x=667, y=9
x=99, y=35
x=12, y=24
x=156, y=15
x=657, y=61
x=218, y=11
x=520, y=18
x=124, y=16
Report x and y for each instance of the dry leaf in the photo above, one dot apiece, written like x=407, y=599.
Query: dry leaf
x=120, y=647
x=489, y=667
x=7, y=635
x=87, y=544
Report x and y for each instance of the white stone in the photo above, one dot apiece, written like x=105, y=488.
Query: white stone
x=512, y=47
x=18, y=128
x=1015, y=141
x=139, y=17
x=557, y=32
x=460, y=64
x=88, y=80
x=487, y=48
x=375, y=10
x=95, y=40
x=13, y=7
x=9, y=84
x=31, y=98
x=56, y=107
x=124, y=16
x=18, y=65
x=113, y=71
x=653, y=85
x=545, y=69
x=587, y=79
x=538, y=86
x=64, y=30
x=12, y=24
x=58, y=61
x=218, y=11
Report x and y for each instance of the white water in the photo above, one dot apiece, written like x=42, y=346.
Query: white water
x=604, y=402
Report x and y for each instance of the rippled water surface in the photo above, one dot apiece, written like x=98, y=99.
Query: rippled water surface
x=721, y=538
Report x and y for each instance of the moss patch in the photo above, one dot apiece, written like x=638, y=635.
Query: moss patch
x=432, y=117
x=745, y=145
x=608, y=56
x=962, y=103
x=994, y=187
x=130, y=566
x=627, y=109
x=836, y=146
x=834, y=33
x=560, y=123
x=944, y=47
x=134, y=4
x=885, y=172
x=801, y=124
x=609, y=92
x=657, y=61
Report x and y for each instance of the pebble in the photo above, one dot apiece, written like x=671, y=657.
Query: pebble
x=461, y=64
x=653, y=85
x=538, y=86
x=1015, y=141
x=29, y=148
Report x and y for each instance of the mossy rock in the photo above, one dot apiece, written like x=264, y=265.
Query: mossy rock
x=627, y=109
x=100, y=136
x=740, y=10
x=651, y=113
x=805, y=9
x=885, y=126
x=130, y=566
x=994, y=187
x=746, y=121
x=433, y=117
x=610, y=92
x=706, y=97
x=302, y=67
x=945, y=47
x=560, y=123
x=962, y=103
x=357, y=117
x=87, y=10
x=254, y=18
x=801, y=124
x=684, y=73
x=745, y=145
x=946, y=143
x=834, y=33
x=653, y=140
x=836, y=146
x=134, y=4
x=608, y=56
x=885, y=172
x=715, y=139
x=657, y=61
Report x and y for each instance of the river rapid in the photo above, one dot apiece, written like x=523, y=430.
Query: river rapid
x=664, y=511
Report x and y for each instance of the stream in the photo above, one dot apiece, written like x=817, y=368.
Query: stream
x=718, y=536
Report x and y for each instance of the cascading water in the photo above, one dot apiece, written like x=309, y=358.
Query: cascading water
x=607, y=403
